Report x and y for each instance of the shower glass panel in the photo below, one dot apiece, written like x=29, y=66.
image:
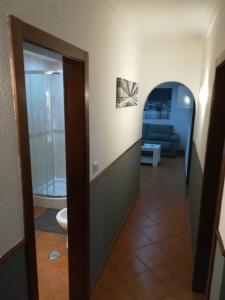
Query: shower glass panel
x=45, y=105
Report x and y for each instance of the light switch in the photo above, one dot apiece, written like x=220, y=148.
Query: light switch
x=95, y=166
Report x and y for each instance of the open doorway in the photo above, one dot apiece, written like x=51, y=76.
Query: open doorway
x=168, y=121
x=45, y=110
x=50, y=84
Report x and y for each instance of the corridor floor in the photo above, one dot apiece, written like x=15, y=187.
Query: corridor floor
x=151, y=260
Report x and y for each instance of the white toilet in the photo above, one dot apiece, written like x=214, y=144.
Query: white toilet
x=61, y=218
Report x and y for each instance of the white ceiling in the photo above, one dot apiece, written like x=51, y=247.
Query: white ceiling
x=167, y=18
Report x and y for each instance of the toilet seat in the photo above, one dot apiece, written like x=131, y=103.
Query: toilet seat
x=61, y=218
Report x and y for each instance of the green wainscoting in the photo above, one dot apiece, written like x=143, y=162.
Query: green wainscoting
x=13, y=276
x=112, y=196
x=194, y=195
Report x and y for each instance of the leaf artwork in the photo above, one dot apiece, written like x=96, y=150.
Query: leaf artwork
x=127, y=93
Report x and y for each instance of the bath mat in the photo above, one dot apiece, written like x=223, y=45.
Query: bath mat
x=47, y=222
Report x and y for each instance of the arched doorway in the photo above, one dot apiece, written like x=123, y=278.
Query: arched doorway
x=168, y=120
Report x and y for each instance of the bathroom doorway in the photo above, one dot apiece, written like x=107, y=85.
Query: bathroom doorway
x=45, y=111
x=50, y=81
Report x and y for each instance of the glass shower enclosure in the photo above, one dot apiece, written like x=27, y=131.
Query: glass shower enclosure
x=45, y=106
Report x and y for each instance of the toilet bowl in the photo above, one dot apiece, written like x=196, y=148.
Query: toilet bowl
x=61, y=218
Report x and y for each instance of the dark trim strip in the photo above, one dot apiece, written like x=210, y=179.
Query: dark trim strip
x=112, y=163
x=220, y=242
x=11, y=251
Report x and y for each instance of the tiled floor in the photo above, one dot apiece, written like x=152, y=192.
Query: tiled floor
x=52, y=274
x=152, y=258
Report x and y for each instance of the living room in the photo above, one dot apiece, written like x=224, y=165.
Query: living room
x=167, y=121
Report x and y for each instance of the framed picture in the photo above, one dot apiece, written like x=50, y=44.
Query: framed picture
x=126, y=93
x=158, y=105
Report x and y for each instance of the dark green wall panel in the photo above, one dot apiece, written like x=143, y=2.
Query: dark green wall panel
x=112, y=195
x=218, y=285
x=194, y=194
x=13, y=277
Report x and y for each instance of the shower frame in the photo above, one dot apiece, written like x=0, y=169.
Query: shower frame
x=48, y=195
x=75, y=72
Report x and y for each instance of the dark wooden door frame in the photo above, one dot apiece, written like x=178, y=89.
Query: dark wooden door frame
x=77, y=154
x=205, y=248
x=216, y=233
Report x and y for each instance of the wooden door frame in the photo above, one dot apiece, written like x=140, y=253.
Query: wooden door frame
x=216, y=233
x=208, y=221
x=22, y=32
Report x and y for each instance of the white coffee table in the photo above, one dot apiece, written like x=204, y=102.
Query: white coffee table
x=155, y=149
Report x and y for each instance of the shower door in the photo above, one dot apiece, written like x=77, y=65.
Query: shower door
x=44, y=94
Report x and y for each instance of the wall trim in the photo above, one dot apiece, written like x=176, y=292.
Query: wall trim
x=11, y=251
x=112, y=163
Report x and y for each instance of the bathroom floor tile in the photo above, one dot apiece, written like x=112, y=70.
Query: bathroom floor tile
x=38, y=211
x=52, y=274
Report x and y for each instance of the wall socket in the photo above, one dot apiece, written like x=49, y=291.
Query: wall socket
x=95, y=166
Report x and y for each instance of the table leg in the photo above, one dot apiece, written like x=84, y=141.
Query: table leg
x=155, y=159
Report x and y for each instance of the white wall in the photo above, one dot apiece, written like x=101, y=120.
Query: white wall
x=214, y=47
x=93, y=26
x=171, y=60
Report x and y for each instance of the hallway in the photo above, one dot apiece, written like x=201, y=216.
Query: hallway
x=152, y=258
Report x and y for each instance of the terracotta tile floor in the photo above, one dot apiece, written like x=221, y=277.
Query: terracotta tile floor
x=52, y=274
x=151, y=260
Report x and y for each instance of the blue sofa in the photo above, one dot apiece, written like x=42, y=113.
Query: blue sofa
x=163, y=135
